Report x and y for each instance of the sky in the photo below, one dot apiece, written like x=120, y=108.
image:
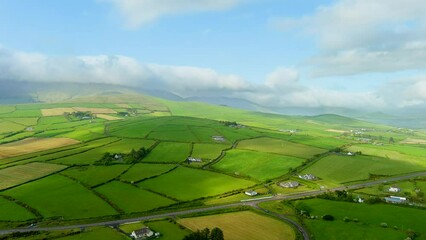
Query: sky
x=359, y=54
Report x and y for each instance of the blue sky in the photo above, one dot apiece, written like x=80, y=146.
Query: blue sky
x=337, y=53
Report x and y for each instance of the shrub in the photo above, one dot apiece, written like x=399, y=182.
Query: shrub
x=328, y=217
x=346, y=219
x=383, y=225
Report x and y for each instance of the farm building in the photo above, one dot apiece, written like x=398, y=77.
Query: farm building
x=394, y=189
x=192, y=159
x=291, y=184
x=395, y=199
x=218, y=138
x=308, y=177
x=251, y=193
x=144, y=233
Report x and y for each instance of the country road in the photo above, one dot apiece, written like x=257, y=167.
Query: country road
x=252, y=203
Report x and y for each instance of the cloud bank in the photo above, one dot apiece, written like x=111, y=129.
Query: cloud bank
x=362, y=36
x=280, y=88
x=140, y=12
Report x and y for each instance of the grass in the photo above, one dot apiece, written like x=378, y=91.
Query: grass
x=95, y=175
x=208, y=151
x=9, y=127
x=169, y=152
x=31, y=145
x=128, y=228
x=169, y=230
x=16, y=175
x=187, y=184
x=58, y=196
x=141, y=171
x=10, y=211
x=242, y=225
x=369, y=216
x=260, y=166
x=340, y=169
x=131, y=198
x=97, y=233
x=280, y=147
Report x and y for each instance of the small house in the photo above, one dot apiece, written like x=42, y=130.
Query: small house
x=251, y=193
x=394, y=189
x=395, y=199
x=308, y=177
x=292, y=184
x=192, y=159
x=218, y=138
x=144, y=233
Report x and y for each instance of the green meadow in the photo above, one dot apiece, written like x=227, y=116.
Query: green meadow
x=259, y=166
x=169, y=152
x=208, y=151
x=131, y=198
x=142, y=171
x=10, y=211
x=188, y=184
x=95, y=175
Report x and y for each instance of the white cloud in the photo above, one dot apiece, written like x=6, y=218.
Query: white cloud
x=140, y=12
x=358, y=36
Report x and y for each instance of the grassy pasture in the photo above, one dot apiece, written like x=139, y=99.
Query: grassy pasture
x=58, y=196
x=369, y=217
x=16, y=137
x=242, y=226
x=179, y=136
x=52, y=120
x=187, y=184
x=340, y=169
x=9, y=127
x=10, y=211
x=94, y=175
x=108, y=117
x=131, y=198
x=30, y=121
x=89, y=157
x=169, y=152
x=204, y=134
x=31, y=145
x=208, y=151
x=141, y=171
x=130, y=227
x=22, y=113
x=168, y=230
x=6, y=109
x=19, y=174
x=381, y=151
x=61, y=110
x=261, y=166
x=319, y=142
x=280, y=147
x=47, y=112
x=138, y=128
x=97, y=233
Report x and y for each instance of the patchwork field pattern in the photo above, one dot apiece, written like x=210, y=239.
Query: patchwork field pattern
x=16, y=175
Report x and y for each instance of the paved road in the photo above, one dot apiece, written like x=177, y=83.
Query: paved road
x=206, y=209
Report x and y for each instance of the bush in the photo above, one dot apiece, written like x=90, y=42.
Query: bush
x=328, y=217
x=383, y=225
x=346, y=219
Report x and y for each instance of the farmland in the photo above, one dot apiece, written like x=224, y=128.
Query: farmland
x=242, y=226
x=50, y=173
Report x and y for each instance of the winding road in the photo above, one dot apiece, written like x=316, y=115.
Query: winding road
x=254, y=203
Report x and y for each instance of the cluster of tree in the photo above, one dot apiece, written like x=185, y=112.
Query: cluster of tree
x=206, y=234
x=78, y=114
x=132, y=157
x=230, y=123
x=338, y=195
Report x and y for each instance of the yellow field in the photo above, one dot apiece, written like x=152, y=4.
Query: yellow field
x=123, y=105
x=30, y=145
x=60, y=111
x=55, y=111
x=94, y=110
x=107, y=117
x=336, y=131
x=414, y=141
x=15, y=175
x=242, y=226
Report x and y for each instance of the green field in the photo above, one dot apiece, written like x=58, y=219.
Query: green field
x=208, y=151
x=369, y=219
x=97, y=233
x=169, y=152
x=57, y=196
x=95, y=175
x=340, y=169
x=16, y=175
x=11, y=211
x=277, y=146
x=131, y=198
x=260, y=166
x=142, y=171
x=242, y=226
x=187, y=184
x=168, y=230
